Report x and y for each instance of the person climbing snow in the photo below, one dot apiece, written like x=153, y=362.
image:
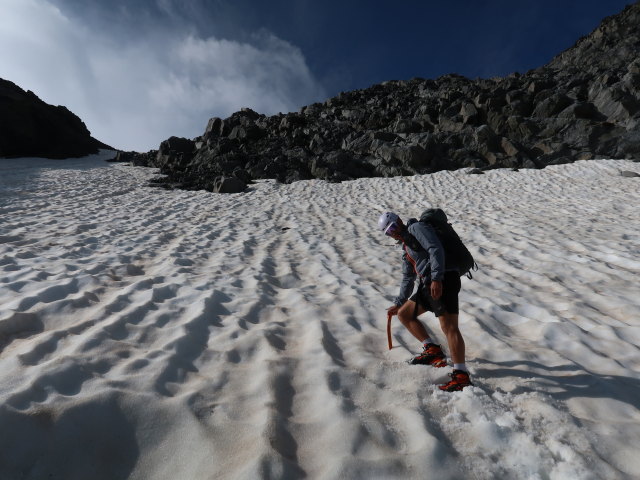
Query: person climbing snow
x=439, y=285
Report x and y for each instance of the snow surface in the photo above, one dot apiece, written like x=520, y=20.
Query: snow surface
x=154, y=334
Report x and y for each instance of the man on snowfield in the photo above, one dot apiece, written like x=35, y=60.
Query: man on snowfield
x=437, y=292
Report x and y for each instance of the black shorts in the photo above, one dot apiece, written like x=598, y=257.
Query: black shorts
x=447, y=303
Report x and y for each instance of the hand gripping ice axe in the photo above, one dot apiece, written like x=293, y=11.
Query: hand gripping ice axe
x=389, y=317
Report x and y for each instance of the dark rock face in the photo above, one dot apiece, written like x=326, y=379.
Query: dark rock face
x=584, y=104
x=31, y=128
x=228, y=185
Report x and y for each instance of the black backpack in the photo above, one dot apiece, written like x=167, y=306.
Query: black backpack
x=455, y=253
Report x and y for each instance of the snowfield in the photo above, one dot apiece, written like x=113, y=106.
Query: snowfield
x=155, y=334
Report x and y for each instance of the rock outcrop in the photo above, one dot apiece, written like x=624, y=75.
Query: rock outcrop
x=583, y=104
x=30, y=127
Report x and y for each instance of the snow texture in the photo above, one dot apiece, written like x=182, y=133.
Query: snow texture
x=154, y=334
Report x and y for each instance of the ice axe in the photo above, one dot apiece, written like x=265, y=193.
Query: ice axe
x=389, y=317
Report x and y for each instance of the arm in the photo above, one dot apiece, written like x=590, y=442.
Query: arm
x=408, y=280
x=431, y=243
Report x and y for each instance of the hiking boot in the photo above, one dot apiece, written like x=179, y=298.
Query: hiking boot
x=431, y=355
x=459, y=380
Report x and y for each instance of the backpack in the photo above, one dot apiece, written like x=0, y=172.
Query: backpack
x=455, y=252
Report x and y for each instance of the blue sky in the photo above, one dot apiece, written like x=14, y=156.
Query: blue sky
x=140, y=71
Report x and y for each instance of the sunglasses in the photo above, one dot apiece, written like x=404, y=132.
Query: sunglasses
x=392, y=229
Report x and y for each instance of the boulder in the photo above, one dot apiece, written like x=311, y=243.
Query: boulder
x=469, y=113
x=412, y=156
x=214, y=128
x=551, y=106
x=586, y=110
x=177, y=145
x=246, y=132
x=228, y=185
x=406, y=125
x=123, y=157
x=615, y=103
x=358, y=142
x=508, y=147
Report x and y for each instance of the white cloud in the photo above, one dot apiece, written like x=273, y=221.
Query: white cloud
x=133, y=91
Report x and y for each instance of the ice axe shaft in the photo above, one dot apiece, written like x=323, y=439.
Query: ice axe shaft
x=389, y=317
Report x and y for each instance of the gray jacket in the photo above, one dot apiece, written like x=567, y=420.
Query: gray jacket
x=427, y=263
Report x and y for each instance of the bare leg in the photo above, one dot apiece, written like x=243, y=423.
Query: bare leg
x=449, y=325
x=409, y=320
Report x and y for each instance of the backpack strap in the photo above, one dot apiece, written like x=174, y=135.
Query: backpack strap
x=469, y=275
x=409, y=239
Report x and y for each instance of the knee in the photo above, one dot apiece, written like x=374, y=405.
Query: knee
x=405, y=316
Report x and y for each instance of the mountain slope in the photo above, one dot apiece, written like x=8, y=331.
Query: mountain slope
x=584, y=104
x=30, y=127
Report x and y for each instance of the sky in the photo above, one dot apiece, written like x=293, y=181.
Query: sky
x=138, y=72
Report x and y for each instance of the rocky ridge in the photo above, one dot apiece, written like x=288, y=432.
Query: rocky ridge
x=30, y=127
x=583, y=104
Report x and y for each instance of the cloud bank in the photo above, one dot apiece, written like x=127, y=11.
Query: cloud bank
x=135, y=88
